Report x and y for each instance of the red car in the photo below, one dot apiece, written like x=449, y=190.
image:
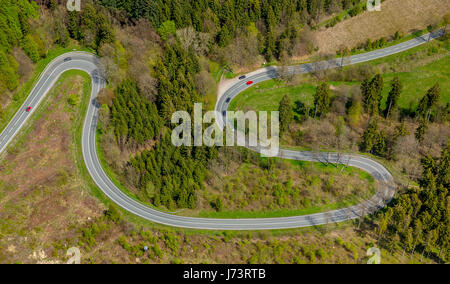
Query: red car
x=249, y=82
x=28, y=109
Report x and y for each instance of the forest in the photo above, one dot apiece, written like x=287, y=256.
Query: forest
x=15, y=31
x=418, y=219
x=158, y=57
x=273, y=21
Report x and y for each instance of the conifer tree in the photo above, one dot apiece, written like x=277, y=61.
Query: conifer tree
x=429, y=101
x=286, y=113
x=394, y=94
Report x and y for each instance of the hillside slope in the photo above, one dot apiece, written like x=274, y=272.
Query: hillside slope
x=405, y=16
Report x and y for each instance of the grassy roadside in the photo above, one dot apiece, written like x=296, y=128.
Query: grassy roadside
x=266, y=96
x=279, y=213
x=396, y=173
x=21, y=94
x=76, y=130
x=21, y=136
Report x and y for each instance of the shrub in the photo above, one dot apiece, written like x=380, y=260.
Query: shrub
x=73, y=100
x=320, y=253
x=167, y=28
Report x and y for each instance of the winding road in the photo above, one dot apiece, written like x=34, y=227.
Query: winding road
x=89, y=63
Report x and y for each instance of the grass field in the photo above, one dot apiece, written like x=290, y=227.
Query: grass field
x=435, y=67
x=419, y=80
x=266, y=96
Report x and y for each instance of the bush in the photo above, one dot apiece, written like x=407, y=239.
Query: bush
x=321, y=253
x=218, y=204
x=74, y=99
x=172, y=241
x=113, y=214
x=124, y=243
x=355, y=11
x=167, y=28
x=334, y=21
x=157, y=251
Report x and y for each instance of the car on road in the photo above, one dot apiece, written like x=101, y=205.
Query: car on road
x=242, y=77
x=28, y=109
x=249, y=83
x=228, y=100
x=67, y=59
x=224, y=113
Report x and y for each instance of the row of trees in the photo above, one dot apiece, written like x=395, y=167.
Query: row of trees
x=165, y=175
x=135, y=119
x=15, y=30
x=420, y=218
x=371, y=90
x=223, y=20
x=90, y=26
x=209, y=15
x=169, y=175
x=175, y=73
x=322, y=103
x=375, y=141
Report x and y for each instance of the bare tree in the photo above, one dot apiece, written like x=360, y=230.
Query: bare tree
x=147, y=86
x=109, y=70
x=24, y=62
x=105, y=97
x=190, y=38
x=286, y=73
x=242, y=52
x=321, y=66
x=204, y=83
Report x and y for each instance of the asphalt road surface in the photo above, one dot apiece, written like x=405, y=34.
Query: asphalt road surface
x=89, y=64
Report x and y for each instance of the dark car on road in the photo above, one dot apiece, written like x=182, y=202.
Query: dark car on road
x=67, y=59
x=228, y=100
x=224, y=113
x=242, y=77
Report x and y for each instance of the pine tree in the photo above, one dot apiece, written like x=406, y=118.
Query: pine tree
x=371, y=92
x=322, y=100
x=429, y=101
x=374, y=141
x=270, y=50
x=369, y=137
x=394, y=94
x=286, y=113
x=420, y=131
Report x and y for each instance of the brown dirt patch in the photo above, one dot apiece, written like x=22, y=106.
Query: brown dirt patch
x=405, y=16
x=40, y=194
